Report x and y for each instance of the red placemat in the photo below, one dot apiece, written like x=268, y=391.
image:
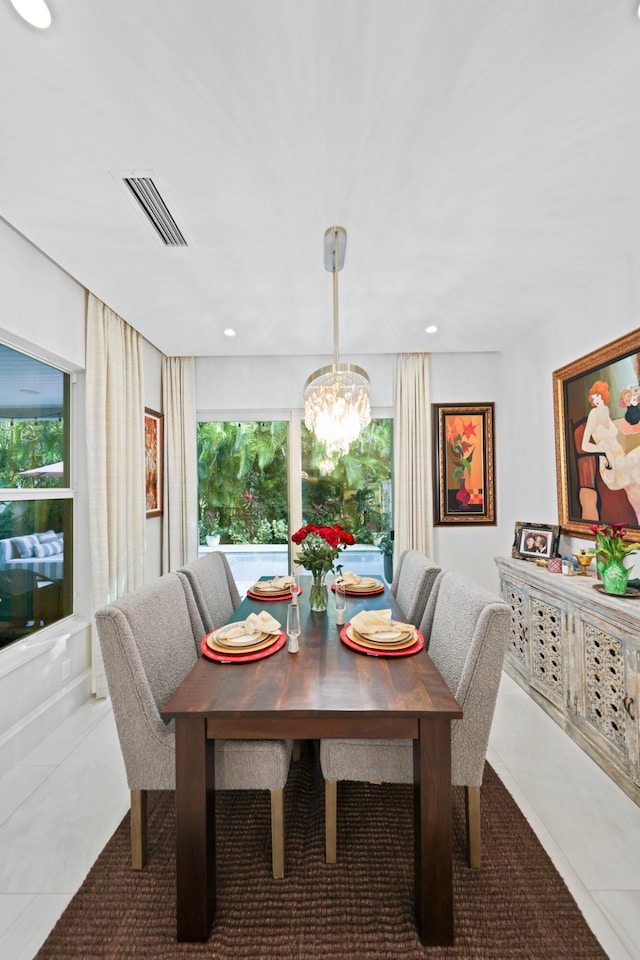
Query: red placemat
x=361, y=593
x=242, y=657
x=407, y=652
x=274, y=596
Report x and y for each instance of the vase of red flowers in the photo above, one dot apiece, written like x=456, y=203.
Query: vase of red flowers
x=320, y=548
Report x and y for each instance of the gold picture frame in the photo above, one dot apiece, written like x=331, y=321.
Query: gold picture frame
x=596, y=402
x=463, y=463
x=153, y=461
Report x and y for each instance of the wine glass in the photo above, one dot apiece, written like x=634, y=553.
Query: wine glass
x=340, y=599
x=293, y=627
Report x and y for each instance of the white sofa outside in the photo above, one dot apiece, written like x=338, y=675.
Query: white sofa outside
x=40, y=552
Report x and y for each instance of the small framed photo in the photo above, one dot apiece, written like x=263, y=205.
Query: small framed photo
x=153, y=461
x=535, y=541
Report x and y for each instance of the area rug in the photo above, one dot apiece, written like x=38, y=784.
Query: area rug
x=516, y=906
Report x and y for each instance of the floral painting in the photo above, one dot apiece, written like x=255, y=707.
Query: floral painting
x=597, y=426
x=153, y=462
x=463, y=463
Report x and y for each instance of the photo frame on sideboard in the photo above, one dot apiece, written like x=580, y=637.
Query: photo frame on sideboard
x=597, y=433
x=535, y=541
x=463, y=463
x=153, y=461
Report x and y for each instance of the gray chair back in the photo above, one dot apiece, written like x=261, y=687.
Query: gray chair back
x=213, y=587
x=148, y=645
x=415, y=582
x=468, y=640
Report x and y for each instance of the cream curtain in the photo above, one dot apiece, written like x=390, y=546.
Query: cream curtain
x=115, y=452
x=412, y=510
x=180, y=516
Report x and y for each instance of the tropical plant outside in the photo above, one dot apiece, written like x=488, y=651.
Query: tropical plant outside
x=242, y=482
x=352, y=490
x=27, y=444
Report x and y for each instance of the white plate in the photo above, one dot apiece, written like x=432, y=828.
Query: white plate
x=243, y=641
x=384, y=636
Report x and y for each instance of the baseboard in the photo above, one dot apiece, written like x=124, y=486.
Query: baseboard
x=30, y=730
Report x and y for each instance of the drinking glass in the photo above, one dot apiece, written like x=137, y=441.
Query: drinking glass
x=294, y=587
x=293, y=627
x=340, y=599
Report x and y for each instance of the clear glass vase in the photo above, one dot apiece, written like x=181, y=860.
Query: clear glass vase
x=318, y=595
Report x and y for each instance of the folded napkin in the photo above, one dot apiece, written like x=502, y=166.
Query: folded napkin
x=351, y=579
x=261, y=622
x=280, y=583
x=372, y=621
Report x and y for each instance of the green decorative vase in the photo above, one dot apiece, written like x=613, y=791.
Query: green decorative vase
x=318, y=595
x=614, y=578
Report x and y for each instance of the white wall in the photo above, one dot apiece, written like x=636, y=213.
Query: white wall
x=472, y=378
x=250, y=385
x=586, y=319
x=43, y=311
x=255, y=384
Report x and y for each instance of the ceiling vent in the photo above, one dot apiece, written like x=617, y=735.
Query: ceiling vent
x=156, y=211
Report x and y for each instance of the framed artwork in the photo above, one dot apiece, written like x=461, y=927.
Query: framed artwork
x=597, y=428
x=535, y=541
x=463, y=463
x=153, y=454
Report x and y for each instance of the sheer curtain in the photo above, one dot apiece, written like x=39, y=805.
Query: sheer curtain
x=180, y=515
x=412, y=511
x=115, y=462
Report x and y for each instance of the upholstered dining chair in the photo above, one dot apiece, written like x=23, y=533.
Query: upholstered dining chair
x=468, y=639
x=413, y=583
x=213, y=588
x=149, y=641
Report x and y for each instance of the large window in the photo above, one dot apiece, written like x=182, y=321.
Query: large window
x=36, y=506
x=260, y=480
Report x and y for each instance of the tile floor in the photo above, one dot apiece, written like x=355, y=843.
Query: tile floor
x=62, y=803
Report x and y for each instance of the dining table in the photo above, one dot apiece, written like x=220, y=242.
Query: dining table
x=326, y=690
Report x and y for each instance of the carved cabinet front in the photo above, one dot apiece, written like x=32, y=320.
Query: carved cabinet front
x=577, y=652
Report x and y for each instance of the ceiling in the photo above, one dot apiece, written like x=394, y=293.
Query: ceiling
x=483, y=157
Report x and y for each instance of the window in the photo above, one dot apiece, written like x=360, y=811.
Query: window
x=36, y=505
x=253, y=491
x=353, y=490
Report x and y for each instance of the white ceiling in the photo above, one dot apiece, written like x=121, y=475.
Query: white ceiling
x=483, y=156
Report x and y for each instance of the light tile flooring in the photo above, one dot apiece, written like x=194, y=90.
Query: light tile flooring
x=62, y=803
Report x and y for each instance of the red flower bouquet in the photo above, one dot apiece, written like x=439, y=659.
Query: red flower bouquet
x=321, y=547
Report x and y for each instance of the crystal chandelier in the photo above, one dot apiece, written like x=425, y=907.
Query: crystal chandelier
x=336, y=397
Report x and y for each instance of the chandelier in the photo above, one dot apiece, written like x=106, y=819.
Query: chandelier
x=336, y=397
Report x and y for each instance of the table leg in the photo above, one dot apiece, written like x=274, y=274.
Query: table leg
x=433, y=832
x=195, y=830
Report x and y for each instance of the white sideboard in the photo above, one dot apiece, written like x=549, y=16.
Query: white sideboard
x=576, y=651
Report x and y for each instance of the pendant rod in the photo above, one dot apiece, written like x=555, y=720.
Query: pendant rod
x=336, y=332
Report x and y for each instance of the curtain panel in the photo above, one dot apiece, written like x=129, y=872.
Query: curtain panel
x=115, y=452
x=180, y=515
x=413, y=509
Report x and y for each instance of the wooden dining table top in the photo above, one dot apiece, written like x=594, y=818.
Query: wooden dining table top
x=325, y=683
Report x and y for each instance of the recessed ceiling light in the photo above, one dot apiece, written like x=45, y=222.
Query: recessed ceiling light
x=229, y=332
x=431, y=328
x=35, y=12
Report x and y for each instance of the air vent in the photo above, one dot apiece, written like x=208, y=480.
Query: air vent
x=156, y=210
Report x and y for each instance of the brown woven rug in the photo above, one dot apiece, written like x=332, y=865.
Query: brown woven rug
x=516, y=906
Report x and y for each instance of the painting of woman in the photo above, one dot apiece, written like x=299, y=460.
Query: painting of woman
x=619, y=470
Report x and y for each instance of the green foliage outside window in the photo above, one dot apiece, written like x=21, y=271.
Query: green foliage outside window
x=242, y=482
x=26, y=445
